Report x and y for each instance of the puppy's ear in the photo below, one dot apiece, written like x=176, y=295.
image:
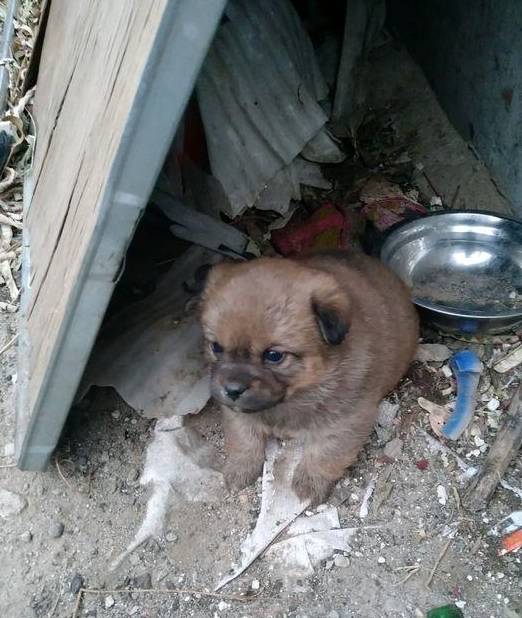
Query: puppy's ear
x=331, y=309
x=216, y=275
x=333, y=326
x=197, y=284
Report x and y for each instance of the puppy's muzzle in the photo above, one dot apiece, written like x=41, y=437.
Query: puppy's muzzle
x=234, y=390
x=235, y=387
x=244, y=388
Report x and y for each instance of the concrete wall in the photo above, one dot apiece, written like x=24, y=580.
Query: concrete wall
x=471, y=52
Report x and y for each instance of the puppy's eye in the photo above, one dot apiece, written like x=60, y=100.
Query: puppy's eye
x=273, y=356
x=216, y=348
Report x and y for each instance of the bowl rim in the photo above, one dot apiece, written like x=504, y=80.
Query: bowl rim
x=440, y=308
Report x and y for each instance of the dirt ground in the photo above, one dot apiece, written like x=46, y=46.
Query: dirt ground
x=86, y=508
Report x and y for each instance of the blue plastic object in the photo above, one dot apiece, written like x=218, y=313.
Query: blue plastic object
x=466, y=367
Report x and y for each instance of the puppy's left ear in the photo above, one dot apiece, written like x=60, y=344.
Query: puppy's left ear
x=331, y=310
x=332, y=325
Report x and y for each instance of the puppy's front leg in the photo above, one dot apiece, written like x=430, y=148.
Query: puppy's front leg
x=245, y=449
x=325, y=459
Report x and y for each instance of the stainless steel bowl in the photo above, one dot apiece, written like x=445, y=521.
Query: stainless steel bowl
x=464, y=269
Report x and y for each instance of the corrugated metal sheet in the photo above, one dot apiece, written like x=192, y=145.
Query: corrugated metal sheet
x=258, y=93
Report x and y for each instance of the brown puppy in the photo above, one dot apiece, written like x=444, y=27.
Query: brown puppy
x=304, y=348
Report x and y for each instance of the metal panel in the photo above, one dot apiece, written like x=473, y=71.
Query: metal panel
x=258, y=93
x=151, y=78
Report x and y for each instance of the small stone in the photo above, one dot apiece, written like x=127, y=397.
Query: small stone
x=493, y=404
x=393, y=449
x=341, y=561
x=56, y=529
x=432, y=353
x=332, y=614
x=470, y=578
x=387, y=413
x=134, y=421
x=255, y=584
x=460, y=604
x=116, y=414
x=500, y=575
x=381, y=559
x=109, y=602
x=76, y=583
x=446, y=371
x=26, y=537
x=11, y=503
x=171, y=537
x=222, y=605
x=442, y=495
x=329, y=564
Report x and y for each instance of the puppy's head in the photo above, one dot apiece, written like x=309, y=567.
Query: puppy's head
x=273, y=329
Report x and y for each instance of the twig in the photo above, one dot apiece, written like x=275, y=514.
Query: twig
x=432, y=186
x=20, y=106
x=260, y=551
x=8, y=221
x=229, y=597
x=365, y=509
x=412, y=570
x=437, y=562
x=436, y=444
x=8, y=344
x=455, y=196
x=62, y=475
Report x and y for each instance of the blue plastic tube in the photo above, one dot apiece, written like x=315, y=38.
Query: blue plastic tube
x=466, y=367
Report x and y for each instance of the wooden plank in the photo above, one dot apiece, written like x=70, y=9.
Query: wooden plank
x=505, y=448
x=88, y=93
x=113, y=81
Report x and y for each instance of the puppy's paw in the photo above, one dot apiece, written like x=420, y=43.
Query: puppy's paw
x=238, y=476
x=312, y=487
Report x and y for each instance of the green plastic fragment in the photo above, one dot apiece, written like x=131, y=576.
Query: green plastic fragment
x=448, y=611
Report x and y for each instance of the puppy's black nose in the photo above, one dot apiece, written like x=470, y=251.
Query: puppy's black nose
x=234, y=390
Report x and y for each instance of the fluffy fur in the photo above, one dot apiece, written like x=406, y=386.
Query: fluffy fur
x=304, y=349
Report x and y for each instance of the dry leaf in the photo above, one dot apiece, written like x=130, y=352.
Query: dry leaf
x=438, y=415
